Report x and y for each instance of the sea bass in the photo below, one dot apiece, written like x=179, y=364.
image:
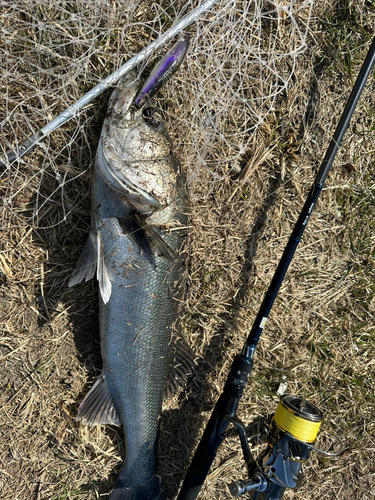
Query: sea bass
x=136, y=247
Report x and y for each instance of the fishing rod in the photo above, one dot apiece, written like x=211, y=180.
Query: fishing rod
x=294, y=427
x=113, y=78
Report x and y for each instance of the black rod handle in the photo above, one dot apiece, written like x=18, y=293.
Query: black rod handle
x=216, y=428
x=203, y=457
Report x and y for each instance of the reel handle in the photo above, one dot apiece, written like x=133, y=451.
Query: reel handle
x=237, y=488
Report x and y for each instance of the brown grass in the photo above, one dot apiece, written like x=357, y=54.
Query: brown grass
x=321, y=333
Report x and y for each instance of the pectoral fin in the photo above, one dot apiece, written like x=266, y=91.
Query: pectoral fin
x=148, y=240
x=98, y=406
x=91, y=259
x=105, y=286
x=87, y=262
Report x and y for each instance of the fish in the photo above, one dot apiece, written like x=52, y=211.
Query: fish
x=137, y=249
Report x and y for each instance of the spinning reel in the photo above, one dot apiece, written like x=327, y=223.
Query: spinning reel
x=290, y=439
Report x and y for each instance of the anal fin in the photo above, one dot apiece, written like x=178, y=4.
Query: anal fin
x=98, y=406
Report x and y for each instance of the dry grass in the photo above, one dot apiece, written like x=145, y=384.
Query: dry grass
x=321, y=333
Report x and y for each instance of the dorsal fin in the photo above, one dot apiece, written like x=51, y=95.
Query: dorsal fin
x=183, y=366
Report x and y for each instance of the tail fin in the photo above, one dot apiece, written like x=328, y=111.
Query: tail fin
x=148, y=491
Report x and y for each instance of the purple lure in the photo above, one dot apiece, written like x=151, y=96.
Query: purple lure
x=166, y=67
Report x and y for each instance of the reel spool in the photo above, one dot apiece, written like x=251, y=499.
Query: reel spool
x=291, y=437
x=298, y=417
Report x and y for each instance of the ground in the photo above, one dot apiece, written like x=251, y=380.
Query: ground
x=320, y=335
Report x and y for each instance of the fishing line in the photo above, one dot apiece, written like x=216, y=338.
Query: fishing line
x=299, y=425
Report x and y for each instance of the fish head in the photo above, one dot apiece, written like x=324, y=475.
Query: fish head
x=135, y=155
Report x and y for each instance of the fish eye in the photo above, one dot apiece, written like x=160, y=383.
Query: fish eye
x=152, y=116
x=147, y=113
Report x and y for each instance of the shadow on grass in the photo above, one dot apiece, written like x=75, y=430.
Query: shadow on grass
x=180, y=427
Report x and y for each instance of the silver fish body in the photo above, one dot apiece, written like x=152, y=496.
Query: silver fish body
x=136, y=244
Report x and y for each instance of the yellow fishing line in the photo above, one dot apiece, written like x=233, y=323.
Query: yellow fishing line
x=302, y=429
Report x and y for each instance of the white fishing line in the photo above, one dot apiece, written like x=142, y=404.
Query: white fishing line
x=242, y=57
